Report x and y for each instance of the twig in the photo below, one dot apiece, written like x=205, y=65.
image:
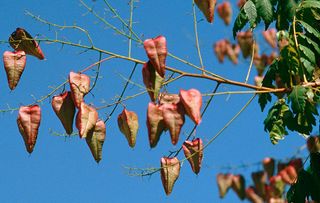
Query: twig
x=196, y=35
x=122, y=93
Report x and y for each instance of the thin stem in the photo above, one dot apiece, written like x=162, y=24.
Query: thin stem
x=122, y=93
x=196, y=35
x=106, y=22
x=130, y=27
x=251, y=62
x=123, y=21
x=297, y=47
x=62, y=27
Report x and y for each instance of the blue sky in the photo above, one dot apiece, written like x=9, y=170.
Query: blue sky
x=62, y=170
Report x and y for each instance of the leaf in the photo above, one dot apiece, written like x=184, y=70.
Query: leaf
x=224, y=182
x=80, y=86
x=129, y=125
x=238, y=185
x=308, y=53
x=297, y=98
x=152, y=80
x=310, y=29
x=173, y=117
x=86, y=119
x=310, y=42
x=21, y=40
x=194, y=148
x=265, y=10
x=240, y=22
x=309, y=4
x=155, y=124
x=192, y=102
x=64, y=108
x=263, y=100
x=95, y=140
x=28, y=121
x=170, y=170
x=156, y=50
x=279, y=117
x=207, y=7
x=251, y=12
x=299, y=191
x=14, y=64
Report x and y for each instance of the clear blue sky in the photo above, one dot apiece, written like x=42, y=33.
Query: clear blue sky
x=62, y=169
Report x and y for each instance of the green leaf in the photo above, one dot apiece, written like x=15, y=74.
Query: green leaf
x=251, y=12
x=308, y=53
x=310, y=42
x=310, y=29
x=300, y=190
x=265, y=10
x=309, y=4
x=275, y=123
x=240, y=22
x=263, y=100
x=298, y=99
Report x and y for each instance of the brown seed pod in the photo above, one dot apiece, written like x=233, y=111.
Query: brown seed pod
x=80, y=86
x=64, y=108
x=224, y=183
x=14, y=64
x=95, y=140
x=28, y=121
x=21, y=40
x=128, y=125
x=86, y=119
x=207, y=7
x=194, y=148
x=192, y=102
x=170, y=170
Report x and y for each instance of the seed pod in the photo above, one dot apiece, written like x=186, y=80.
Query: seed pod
x=155, y=123
x=80, y=86
x=64, y=108
x=225, y=12
x=269, y=166
x=128, y=125
x=28, y=123
x=170, y=170
x=156, y=50
x=192, y=102
x=86, y=119
x=253, y=196
x=165, y=98
x=239, y=186
x=194, y=148
x=207, y=8
x=245, y=40
x=260, y=179
x=277, y=186
x=152, y=80
x=14, y=64
x=224, y=183
x=313, y=144
x=296, y=163
x=173, y=116
x=270, y=36
x=288, y=174
x=95, y=140
x=220, y=49
x=21, y=40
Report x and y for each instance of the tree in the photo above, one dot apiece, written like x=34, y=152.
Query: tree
x=78, y=37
